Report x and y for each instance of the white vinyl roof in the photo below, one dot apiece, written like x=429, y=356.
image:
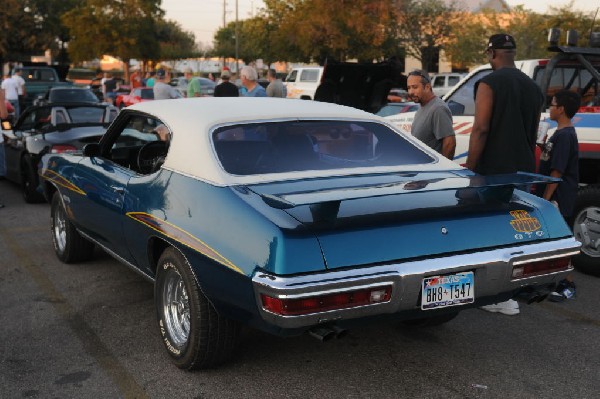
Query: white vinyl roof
x=192, y=121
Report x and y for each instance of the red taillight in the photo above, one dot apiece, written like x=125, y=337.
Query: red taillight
x=58, y=148
x=322, y=303
x=541, y=267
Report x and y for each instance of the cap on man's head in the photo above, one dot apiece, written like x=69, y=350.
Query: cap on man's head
x=160, y=73
x=188, y=70
x=225, y=73
x=501, y=41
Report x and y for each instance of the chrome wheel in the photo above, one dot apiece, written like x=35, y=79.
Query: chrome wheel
x=176, y=308
x=586, y=229
x=60, y=228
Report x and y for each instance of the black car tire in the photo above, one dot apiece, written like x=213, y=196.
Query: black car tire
x=69, y=245
x=586, y=229
x=195, y=335
x=29, y=181
x=430, y=321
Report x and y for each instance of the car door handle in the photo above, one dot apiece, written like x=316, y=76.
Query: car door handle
x=118, y=189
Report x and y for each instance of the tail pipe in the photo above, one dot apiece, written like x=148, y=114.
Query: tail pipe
x=326, y=333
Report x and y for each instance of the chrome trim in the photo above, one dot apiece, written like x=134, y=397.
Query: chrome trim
x=492, y=272
x=117, y=257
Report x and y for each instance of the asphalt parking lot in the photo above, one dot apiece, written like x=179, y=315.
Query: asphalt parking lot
x=89, y=331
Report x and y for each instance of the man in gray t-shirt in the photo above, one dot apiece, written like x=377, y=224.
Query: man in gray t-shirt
x=433, y=121
x=162, y=90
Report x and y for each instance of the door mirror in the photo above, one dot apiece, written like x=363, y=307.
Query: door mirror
x=91, y=150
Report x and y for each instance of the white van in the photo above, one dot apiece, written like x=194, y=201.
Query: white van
x=442, y=83
x=302, y=82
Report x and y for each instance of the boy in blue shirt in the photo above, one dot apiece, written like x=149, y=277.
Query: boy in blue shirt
x=560, y=158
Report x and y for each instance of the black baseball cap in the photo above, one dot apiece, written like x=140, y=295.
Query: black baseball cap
x=501, y=41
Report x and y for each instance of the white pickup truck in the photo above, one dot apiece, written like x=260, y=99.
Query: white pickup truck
x=573, y=68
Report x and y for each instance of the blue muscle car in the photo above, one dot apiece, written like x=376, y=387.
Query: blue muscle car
x=296, y=216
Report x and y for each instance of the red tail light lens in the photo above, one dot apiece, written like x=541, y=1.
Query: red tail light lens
x=59, y=148
x=322, y=303
x=541, y=267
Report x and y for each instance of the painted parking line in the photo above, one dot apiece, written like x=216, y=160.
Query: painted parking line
x=92, y=344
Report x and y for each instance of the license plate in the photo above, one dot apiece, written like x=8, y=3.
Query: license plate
x=444, y=291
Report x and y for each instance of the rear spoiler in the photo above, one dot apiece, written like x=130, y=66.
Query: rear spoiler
x=492, y=186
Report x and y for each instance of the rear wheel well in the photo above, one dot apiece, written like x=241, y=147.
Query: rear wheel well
x=589, y=171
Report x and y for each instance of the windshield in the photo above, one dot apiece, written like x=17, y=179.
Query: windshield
x=279, y=147
x=72, y=95
x=86, y=114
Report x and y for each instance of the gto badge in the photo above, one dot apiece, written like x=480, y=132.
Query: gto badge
x=523, y=222
x=444, y=230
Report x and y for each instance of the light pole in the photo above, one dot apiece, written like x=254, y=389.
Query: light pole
x=237, y=40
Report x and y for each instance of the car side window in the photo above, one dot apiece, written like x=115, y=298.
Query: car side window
x=309, y=75
x=138, y=145
x=438, y=81
x=292, y=76
x=465, y=95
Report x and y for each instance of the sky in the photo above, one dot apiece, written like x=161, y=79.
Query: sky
x=205, y=17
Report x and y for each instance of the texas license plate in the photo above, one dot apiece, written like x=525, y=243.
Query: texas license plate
x=444, y=291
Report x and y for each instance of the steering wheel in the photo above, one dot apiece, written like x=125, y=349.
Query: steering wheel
x=149, y=155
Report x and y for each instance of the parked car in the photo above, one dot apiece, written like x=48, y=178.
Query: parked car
x=96, y=87
x=391, y=109
x=51, y=128
x=302, y=82
x=39, y=79
x=397, y=95
x=362, y=85
x=71, y=94
x=314, y=220
x=137, y=95
x=442, y=83
x=207, y=86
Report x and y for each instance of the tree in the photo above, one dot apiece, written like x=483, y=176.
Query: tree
x=123, y=28
x=425, y=27
x=174, y=42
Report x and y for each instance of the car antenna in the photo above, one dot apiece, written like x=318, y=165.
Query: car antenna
x=592, y=27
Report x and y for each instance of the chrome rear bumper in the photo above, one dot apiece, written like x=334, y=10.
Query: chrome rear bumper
x=492, y=272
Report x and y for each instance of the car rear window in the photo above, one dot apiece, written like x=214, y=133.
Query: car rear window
x=293, y=146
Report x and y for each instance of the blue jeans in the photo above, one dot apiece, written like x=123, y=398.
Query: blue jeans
x=2, y=162
x=15, y=104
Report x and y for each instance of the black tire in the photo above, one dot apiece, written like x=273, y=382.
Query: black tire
x=586, y=229
x=430, y=321
x=29, y=181
x=69, y=245
x=194, y=334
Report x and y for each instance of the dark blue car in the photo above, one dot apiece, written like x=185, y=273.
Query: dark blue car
x=296, y=216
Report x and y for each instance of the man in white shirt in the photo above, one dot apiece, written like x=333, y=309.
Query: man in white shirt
x=22, y=91
x=11, y=91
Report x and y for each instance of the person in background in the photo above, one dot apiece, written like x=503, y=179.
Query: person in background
x=3, y=115
x=560, y=158
x=150, y=79
x=508, y=106
x=433, y=121
x=194, y=88
x=22, y=90
x=249, y=78
x=226, y=88
x=276, y=88
x=11, y=93
x=162, y=90
x=109, y=89
x=135, y=78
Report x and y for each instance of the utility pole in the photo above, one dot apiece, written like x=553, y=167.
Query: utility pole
x=224, y=25
x=237, y=40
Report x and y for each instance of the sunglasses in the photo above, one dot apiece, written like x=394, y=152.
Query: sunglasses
x=419, y=73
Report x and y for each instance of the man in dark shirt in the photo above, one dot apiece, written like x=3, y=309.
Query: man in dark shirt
x=226, y=88
x=508, y=104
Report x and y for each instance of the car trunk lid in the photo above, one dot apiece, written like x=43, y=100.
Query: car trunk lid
x=356, y=219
